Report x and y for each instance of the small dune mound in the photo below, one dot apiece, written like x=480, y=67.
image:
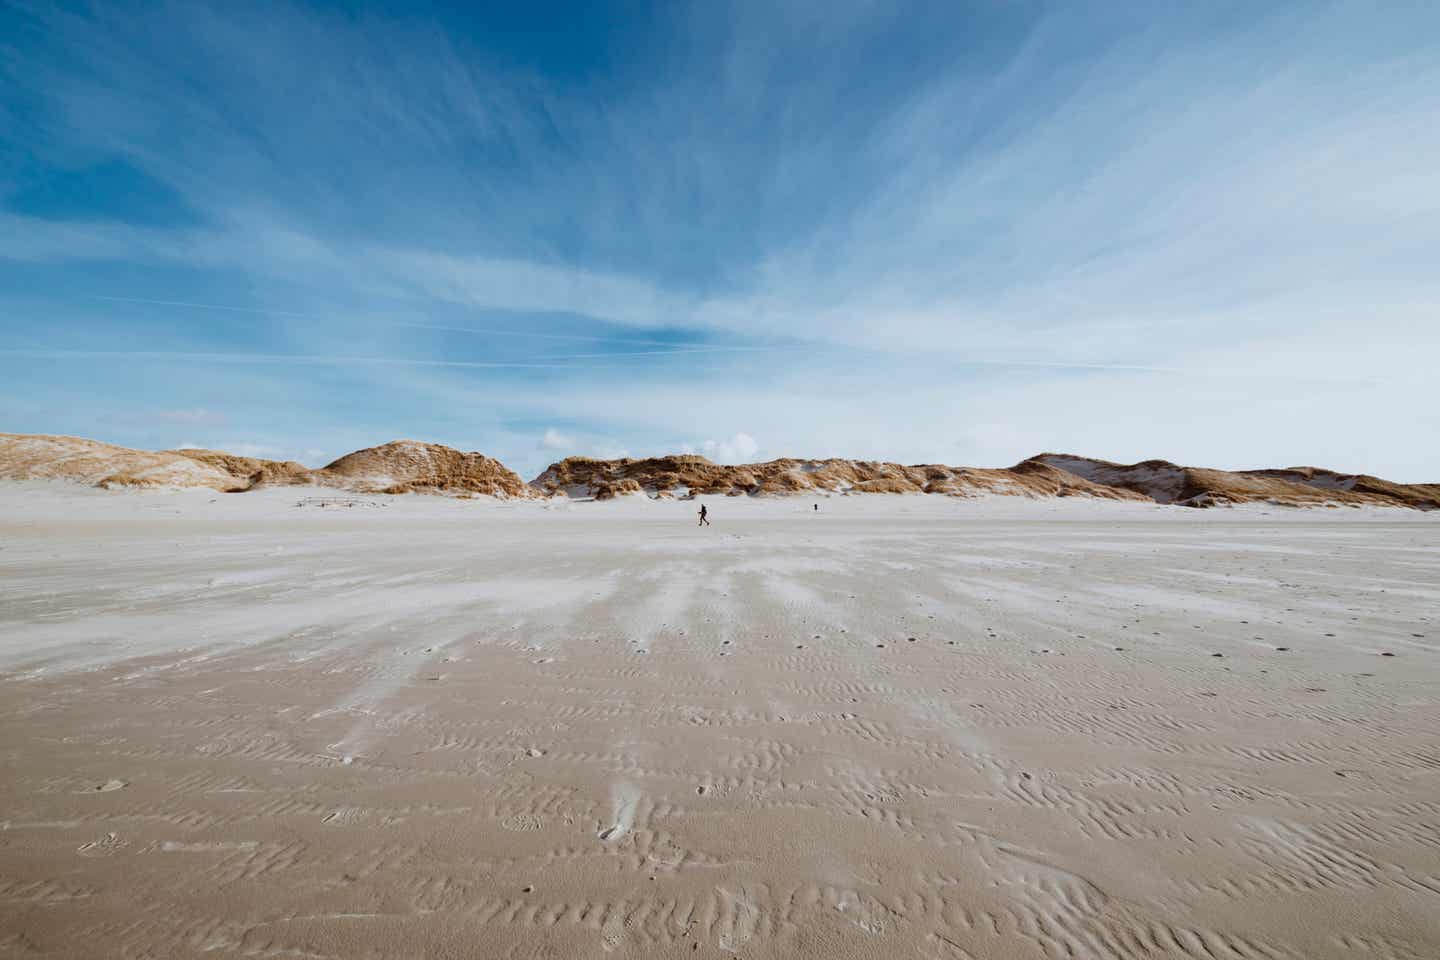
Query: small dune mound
x=887, y=485
x=1159, y=480
x=610, y=489
x=281, y=473
x=409, y=466
x=254, y=471
x=1043, y=480
x=602, y=479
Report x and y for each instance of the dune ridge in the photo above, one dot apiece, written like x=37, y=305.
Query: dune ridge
x=411, y=466
x=692, y=475
x=401, y=466
x=1044, y=475
x=1166, y=482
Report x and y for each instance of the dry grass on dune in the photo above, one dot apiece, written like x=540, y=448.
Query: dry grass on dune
x=256, y=471
x=610, y=490
x=403, y=466
x=410, y=466
x=1166, y=482
x=697, y=475
x=27, y=457
x=1046, y=475
x=1422, y=496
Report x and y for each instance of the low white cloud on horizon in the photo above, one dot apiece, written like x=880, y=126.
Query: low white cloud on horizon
x=740, y=448
x=555, y=440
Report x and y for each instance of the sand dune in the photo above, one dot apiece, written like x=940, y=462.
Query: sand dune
x=693, y=475
x=248, y=472
x=1165, y=482
x=26, y=457
x=409, y=466
x=926, y=727
x=401, y=466
x=1045, y=475
x=1423, y=496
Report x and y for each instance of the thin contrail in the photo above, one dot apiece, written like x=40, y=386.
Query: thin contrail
x=1179, y=371
x=655, y=353
x=323, y=360
x=483, y=331
x=1066, y=365
x=208, y=306
x=490, y=331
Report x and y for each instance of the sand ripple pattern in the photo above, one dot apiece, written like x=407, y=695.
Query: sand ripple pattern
x=1125, y=735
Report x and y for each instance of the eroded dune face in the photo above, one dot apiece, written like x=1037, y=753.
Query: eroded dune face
x=27, y=457
x=402, y=466
x=693, y=475
x=1045, y=475
x=1166, y=482
x=1423, y=496
x=410, y=466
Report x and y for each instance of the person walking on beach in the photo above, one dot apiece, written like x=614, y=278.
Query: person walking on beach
x=704, y=519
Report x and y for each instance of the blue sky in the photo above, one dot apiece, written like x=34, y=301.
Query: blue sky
x=942, y=232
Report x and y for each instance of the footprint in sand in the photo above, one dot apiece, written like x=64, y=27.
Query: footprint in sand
x=625, y=799
x=612, y=935
x=108, y=786
x=522, y=822
x=106, y=846
x=739, y=919
x=345, y=817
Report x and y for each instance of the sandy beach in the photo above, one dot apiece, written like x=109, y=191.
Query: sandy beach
x=901, y=726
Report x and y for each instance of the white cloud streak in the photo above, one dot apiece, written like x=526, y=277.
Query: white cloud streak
x=1201, y=250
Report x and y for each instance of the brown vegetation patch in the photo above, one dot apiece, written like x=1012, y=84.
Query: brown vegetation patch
x=409, y=466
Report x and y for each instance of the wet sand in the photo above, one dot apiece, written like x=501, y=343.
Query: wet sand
x=900, y=727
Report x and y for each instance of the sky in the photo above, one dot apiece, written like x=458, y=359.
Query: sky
x=960, y=232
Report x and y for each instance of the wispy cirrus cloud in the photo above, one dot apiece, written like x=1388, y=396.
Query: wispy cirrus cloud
x=930, y=210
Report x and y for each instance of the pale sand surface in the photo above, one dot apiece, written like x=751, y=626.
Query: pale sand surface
x=235, y=727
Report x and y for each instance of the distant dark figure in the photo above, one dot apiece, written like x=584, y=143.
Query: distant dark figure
x=704, y=516
x=817, y=508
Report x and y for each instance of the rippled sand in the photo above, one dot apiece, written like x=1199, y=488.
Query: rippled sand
x=898, y=727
